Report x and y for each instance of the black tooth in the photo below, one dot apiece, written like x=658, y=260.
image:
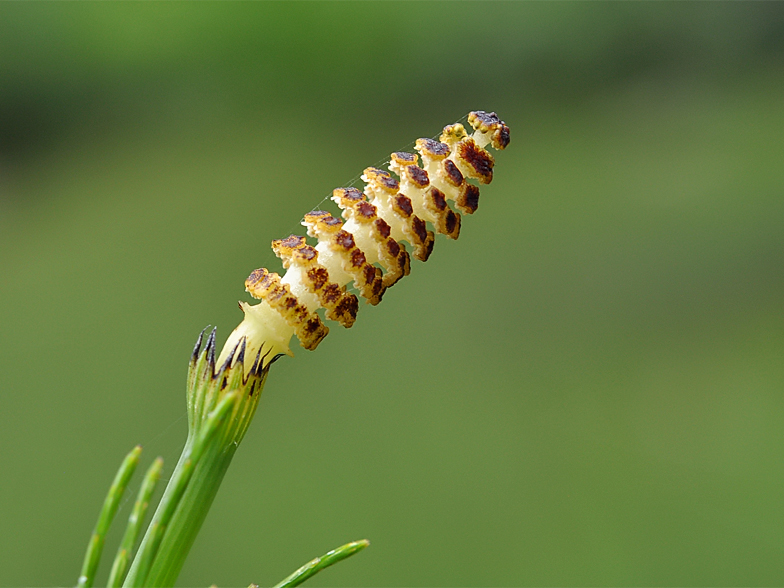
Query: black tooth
x=209, y=351
x=241, y=354
x=227, y=363
x=256, y=362
x=260, y=367
x=197, y=348
x=210, y=346
x=276, y=358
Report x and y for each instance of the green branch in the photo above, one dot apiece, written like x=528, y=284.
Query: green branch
x=123, y=558
x=110, y=505
x=314, y=566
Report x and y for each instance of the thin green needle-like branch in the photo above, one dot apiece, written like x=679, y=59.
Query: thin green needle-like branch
x=109, y=509
x=123, y=558
x=314, y=566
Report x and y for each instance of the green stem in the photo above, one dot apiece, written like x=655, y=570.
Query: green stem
x=109, y=509
x=221, y=405
x=189, y=517
x=196, y=447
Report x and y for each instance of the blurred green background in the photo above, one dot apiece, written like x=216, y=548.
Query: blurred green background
x=585, y=389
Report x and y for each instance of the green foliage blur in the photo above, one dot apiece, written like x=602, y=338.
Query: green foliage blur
x=584, y=389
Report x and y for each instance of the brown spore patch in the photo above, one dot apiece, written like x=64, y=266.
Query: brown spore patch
x=403, y=205
x=452, y=173
x=418, y=176
x=468, y=202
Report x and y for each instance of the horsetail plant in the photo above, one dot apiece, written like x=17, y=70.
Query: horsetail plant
x=364, y=250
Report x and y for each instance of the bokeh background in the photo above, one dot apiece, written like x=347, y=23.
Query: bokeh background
x=585, y=389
